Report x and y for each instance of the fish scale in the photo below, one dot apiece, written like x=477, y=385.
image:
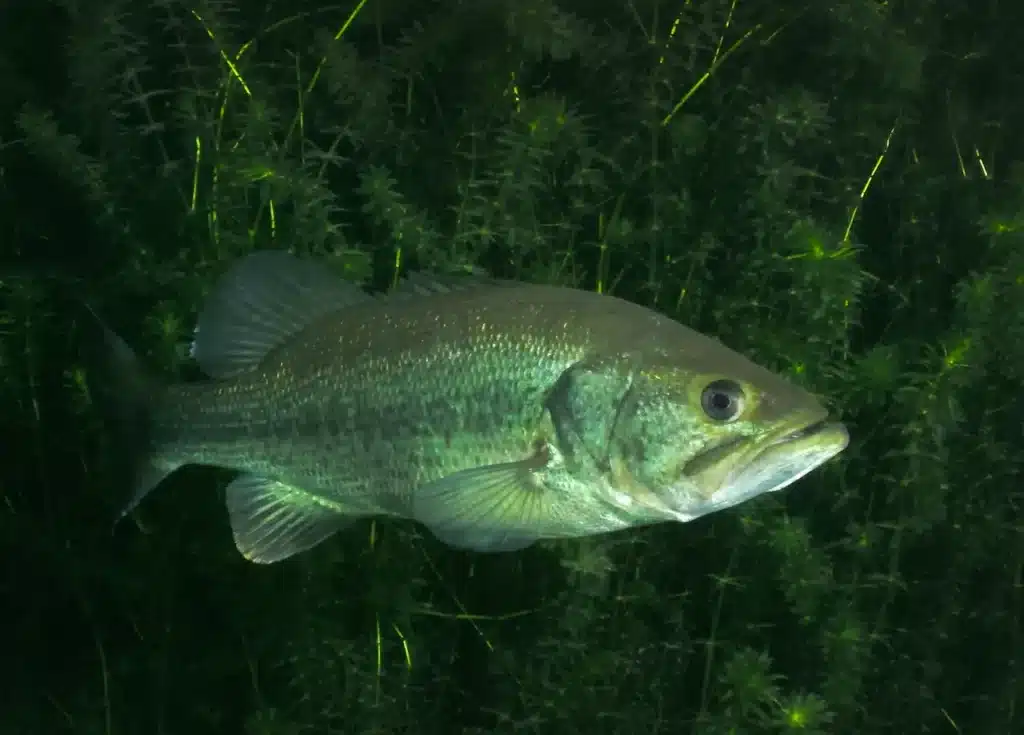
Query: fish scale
x=394, y=423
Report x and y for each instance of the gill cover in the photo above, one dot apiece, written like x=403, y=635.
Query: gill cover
x=586, y=406
x=594, y=408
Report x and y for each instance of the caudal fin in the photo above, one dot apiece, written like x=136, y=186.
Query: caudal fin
x=123, y=393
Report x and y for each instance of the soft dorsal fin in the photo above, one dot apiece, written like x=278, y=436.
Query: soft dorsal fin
x=261, y=301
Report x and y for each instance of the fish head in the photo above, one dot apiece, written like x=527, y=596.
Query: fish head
x=701, y=428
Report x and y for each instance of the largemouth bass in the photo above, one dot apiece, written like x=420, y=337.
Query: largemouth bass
x=494, y=413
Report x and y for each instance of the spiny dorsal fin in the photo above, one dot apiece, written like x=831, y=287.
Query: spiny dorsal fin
x=427, y=284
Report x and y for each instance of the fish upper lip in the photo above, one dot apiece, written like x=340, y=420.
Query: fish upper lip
x=803, y=431
x=815, y=427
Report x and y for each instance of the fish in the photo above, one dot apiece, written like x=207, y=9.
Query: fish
x=495, y=413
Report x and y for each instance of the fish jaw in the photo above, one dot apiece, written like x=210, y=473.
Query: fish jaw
x=763, y=465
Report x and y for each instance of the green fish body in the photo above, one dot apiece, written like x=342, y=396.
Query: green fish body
x=494, y=413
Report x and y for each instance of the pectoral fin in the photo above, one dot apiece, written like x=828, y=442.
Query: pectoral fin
x=272, y=521
x=493, y=508
x=479, y=540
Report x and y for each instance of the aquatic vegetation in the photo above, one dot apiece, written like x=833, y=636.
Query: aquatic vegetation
x=834, y=189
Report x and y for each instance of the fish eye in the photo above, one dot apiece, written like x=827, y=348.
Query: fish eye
x=722, y=400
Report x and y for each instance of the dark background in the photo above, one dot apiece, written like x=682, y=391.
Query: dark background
x=840, y=196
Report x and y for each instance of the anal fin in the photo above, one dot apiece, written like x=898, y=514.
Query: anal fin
x=272, y=521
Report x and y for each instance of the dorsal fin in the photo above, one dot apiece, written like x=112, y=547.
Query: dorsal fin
x=426, y=284
x=261, y=301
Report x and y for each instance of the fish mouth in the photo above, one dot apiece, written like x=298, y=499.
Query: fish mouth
x=811, y=429
x=746, y=467
x=782, y=461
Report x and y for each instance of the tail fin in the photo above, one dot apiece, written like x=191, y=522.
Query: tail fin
x=124, y=394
